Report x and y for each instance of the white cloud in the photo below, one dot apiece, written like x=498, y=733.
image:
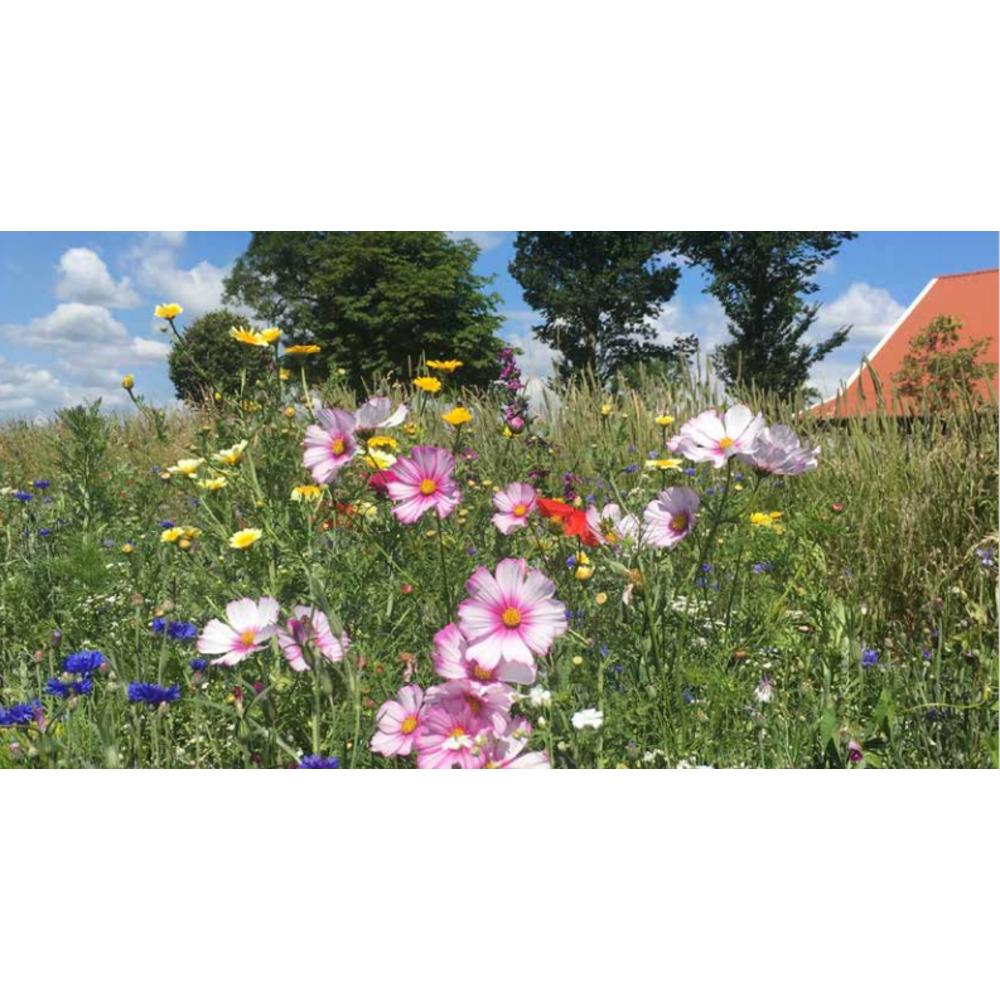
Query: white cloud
x=28, y=389
x=84, y=277
x=198, y=289
x=85, y=344
x=483, y=239
x=871, y=312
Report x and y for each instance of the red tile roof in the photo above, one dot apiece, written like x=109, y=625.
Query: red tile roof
x=972, y=297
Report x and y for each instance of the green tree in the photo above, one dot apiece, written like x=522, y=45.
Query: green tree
x=208, y=360
x=937, y=372
x=597, y=293
x=373, y=301
x=761, y=279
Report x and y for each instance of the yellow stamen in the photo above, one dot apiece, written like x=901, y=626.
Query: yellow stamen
x=457, y=733
x=427, y=487
x=481, y=673
x=520, y=510
x=337, y=447
x=726, y=442
x=409, y=724
x=247, y=637
x=511, y=618
x=679, y=522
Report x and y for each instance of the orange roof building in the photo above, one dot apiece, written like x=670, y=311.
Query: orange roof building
x=972, y=297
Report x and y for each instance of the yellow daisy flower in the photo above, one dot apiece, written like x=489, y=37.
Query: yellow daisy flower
x=410, y=429
x=663, y=463
x=217, y=483
x=606, y=410
x=382, y=442
x=245, y=538
x=445, y=366
x=128, y=548
x=664, y=421
x=457, y=416
x=169, y=311
x=311, y=493
x=171, y=535
x=128, y=383
x=284, y=374
x=186, y=467
x=247, y=337
x=428, y=384
x=231, y=456
x=303, y=349
x=379, y=459
x=270, y=335
x=189, y=532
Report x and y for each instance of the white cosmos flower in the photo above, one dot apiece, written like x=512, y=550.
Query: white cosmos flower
x=588, y=718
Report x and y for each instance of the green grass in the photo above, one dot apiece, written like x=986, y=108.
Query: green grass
x=675, y=670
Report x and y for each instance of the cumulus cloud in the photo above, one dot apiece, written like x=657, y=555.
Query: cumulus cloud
x=484, y=240
x=84, y=278
x=30, y=389
x=157, y=269
x=871, y=312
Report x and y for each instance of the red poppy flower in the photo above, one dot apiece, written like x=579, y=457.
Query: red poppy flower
x=572, y=520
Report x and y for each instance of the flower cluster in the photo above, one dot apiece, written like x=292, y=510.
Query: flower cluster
x=510, y=618
x=510, y=380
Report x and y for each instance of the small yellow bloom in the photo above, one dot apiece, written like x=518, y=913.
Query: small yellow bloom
x=428, y=384
x=171, y=535
x=382, y=442
x=270, y=335
x=310, y=492
x=217, y=483
x=128, y=548
x=169, y=311
x=457, y=416
x=764, y=520
x=189, y=532
x=247, y=337
x=303, y=349
x=445, y=366
x=128, y=383
x=217, y=396
x=231, y=456
x=245, y=538
x=601, y=598
x=164, y=475
x=411, y=429
x=284, y=374
x=606, y=410
x=289, y=412
x=377, y=459
x=367, y=509
x=187, y=467
x=584, y=573
x=184, y=543
x=663, y=463
x=577, y=661
x=664, y=421
x=507, y=432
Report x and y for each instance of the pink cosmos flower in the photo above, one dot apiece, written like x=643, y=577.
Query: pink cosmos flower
x=423, y=482
x=488, y=702
x=780, y=453
x=514, y=504
x=711, y=438
x=451, y=736
x=310, y=631
x=399, y=723
x=505, y=750
x=670, y=517
x=511, y=616
x=609, y=526
x=329, y=444
x=451, y=661
x=248, y=626
x=377, y=414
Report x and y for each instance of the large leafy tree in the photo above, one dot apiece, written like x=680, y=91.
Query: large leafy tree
x=598, y=293
x=762, y=280
x=373, y=301
x=208, y=360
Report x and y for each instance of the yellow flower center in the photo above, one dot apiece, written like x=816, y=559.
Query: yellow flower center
x=726, y=442
x=457, y=733
x=520, y=510
x=338, y=446
x=247, y=637
x=409, y=724
x=481, y=673
x=511, y=618
x=427, y=487
x=679, y=522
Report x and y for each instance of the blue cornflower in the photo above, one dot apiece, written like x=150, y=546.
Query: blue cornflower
x=571, y=561
x=739, y=477
x=653, y=454
x=472, y=551
x=21, y=715
x=47, y=500
x=167, y=525
x=761, y=567
x=869, y=658
x=159, y=624
x=45, y=532
x=108, y=543
x=986, y=557
x=928, y=655
x=691, y=472
x=152, y=694
x=317, y=763
x=710, y=492
x=688, y=698
x=84, y=663
x=64, y=689
x=198, y=664
x=604, y=650
x=631, y=468
x=23, y=497
x=41, y=484
x=182, y=631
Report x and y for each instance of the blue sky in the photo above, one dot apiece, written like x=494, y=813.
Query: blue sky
x=76, y=308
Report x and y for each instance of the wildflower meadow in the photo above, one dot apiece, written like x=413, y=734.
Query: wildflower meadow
x=426, y=575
